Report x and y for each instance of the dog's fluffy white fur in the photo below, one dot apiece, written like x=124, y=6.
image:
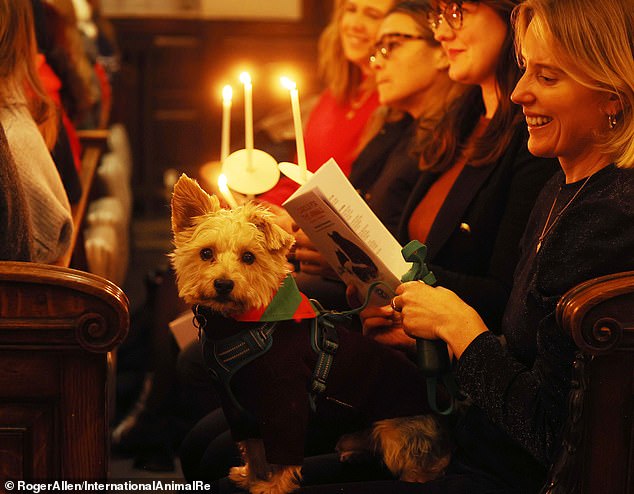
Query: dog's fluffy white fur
x=233, y=261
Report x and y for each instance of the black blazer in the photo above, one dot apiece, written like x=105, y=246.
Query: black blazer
x=386, y=170
x=473, y=244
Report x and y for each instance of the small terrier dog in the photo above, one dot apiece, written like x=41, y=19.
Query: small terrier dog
x=231, y=266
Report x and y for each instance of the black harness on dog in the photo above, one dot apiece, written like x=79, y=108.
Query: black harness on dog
x=234, y=352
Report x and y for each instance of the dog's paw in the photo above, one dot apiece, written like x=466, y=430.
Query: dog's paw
x=240, y=476
x=265, y=487
x=283, y=482
x=283, y=479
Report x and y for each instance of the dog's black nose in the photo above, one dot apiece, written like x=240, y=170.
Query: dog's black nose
x=223, y=286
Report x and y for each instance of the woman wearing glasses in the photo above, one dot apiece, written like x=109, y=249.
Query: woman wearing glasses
x=414, y=89
x=478, y=185
x=410, y=71
x=479, y=182
x=577, y=94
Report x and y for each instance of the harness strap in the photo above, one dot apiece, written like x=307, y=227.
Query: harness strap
x=325, y=342
x=234, y=352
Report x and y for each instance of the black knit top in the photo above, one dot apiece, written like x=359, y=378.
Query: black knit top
x=523, y=388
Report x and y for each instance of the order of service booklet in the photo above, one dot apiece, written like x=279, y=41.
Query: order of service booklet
x=347, y=233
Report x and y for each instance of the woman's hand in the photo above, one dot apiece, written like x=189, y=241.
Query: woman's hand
x=437, y=313
x=382, y=324
x=310, y=260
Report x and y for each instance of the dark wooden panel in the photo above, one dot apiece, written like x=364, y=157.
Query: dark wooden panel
x=25, y=431
x=26, y=375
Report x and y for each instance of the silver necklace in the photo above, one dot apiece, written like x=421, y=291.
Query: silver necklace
x=549, y=226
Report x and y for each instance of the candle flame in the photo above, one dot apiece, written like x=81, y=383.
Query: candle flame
x=226, y=193
x=227, y=93
x=222, y=183
x=245, y=78
x=287, y=83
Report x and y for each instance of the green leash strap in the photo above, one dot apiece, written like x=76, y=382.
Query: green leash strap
x=432, y=356
x=325, y=341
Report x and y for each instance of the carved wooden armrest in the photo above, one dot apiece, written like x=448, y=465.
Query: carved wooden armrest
x=598, y=437
x=599, y=314
x=57, y=307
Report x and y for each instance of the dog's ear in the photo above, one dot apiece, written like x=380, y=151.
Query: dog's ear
x=188, y=201
x=276, y=237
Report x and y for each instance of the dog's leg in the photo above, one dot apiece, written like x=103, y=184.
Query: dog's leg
x=414, y=449
x=258, y=476
x=245, y=475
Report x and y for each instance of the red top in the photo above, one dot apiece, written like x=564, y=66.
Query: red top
x=52, y=86
x=332, y=131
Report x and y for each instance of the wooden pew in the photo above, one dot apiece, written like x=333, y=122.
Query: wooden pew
x=58, y=327
x=598, y=452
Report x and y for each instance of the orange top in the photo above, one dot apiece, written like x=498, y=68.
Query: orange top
x=424, y=216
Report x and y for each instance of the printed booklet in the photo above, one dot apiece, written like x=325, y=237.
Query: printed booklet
x=347, y=233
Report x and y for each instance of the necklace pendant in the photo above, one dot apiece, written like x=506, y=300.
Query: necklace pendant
x=539, y=246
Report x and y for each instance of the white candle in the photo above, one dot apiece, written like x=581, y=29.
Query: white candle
x=245, y=78
x=226, y=192
x=227, y=94
x=297, y=122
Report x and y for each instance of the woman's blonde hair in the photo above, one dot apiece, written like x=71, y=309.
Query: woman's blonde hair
x=19, y=79
x=339, y=74
x=594, y=43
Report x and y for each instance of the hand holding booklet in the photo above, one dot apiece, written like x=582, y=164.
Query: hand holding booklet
x=347, y=233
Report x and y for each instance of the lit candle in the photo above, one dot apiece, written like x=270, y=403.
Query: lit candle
x=227, y=94
x=297, y=122
x=245, y=78
x=226, y=192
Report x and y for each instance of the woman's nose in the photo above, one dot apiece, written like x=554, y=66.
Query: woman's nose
x=356, y=22
x=443, y=31
x=521, y=95
x=376, y=61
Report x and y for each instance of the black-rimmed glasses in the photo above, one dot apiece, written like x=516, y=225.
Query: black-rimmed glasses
x=389, y=42
x=452, y=14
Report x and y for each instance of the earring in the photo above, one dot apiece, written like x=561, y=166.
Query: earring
x=612, y=120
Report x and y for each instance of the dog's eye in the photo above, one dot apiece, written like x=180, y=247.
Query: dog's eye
x=248, y=258
x=207, y=254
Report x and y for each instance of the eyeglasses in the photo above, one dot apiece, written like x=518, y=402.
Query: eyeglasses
x=452, y=13
x=389, y=42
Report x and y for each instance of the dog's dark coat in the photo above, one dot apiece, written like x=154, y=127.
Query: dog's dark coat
x=368, y=382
